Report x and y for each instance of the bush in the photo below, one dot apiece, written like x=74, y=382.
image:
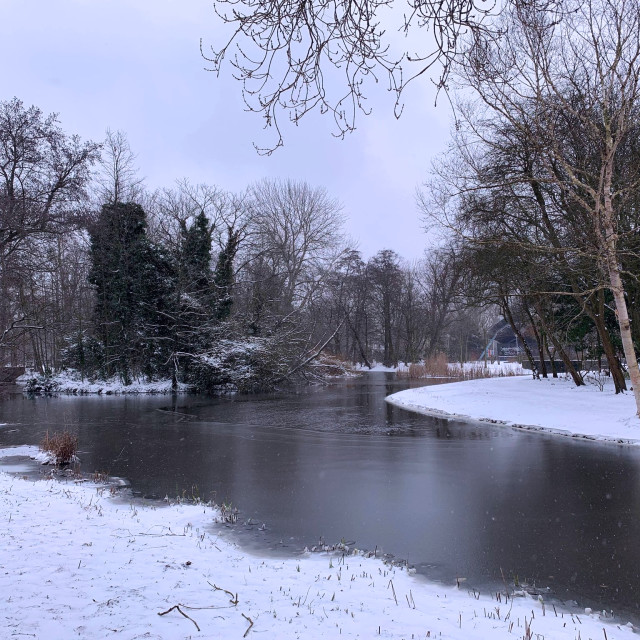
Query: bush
x=41, y=384
x=62, y=446
x=435, y=367
x=246, y=365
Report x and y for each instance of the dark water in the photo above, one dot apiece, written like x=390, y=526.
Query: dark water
x=455, y=500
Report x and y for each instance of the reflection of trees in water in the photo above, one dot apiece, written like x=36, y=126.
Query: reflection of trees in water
x=337, y=462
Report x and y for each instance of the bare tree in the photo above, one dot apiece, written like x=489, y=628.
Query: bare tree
x=439, y=279
x=386, y=278
x=44, y=174
x=173, y=209
x=577, y=77
x=296, y=234
x=118, y=179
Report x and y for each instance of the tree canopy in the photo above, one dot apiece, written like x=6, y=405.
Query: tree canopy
x=296, y=57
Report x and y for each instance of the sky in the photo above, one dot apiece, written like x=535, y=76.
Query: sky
x=135, y=66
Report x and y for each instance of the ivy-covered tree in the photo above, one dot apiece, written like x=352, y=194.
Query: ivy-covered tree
x=195, y=257
x=223, y=275
x=133, y=294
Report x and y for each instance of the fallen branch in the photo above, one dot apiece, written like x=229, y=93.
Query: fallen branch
x=164, y=613
x=234, y=597
x=312, y=357
x=250, y=625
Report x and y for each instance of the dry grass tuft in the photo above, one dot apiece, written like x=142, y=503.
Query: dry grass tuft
x=62, y=445
x=472, y=371
x=438, y=367
x=434, y=367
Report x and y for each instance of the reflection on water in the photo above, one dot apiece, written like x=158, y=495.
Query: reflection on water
x=456, y=500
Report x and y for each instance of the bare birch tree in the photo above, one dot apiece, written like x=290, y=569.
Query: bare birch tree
x=573, y=75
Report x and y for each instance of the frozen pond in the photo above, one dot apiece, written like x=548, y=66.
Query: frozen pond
x=456, y=500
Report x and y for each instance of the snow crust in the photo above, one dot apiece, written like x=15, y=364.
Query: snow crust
x=28, y=451
x=550, y=405
x=78, y=563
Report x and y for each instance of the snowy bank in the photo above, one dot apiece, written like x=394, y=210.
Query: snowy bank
x=72, y=382
x=78, y=563
x=550, y=405
x=474, y=369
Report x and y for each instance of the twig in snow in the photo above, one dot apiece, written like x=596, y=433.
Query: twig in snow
x=234, y=597
x=504, y=581
x=393, y=590
x=177, y=607
x=250, y=625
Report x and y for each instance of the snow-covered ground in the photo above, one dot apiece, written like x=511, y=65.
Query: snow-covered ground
x=494, y=368
x=70, y=381
x=375, y=367
x=551, y=405
x=78, y=563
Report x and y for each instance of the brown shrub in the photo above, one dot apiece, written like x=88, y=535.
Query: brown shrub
x=416, y=371
x=434, y=367
x=62, y=445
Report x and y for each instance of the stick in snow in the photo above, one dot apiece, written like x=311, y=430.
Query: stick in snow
x=234, y=597
x=250, y=625
x=175, y=606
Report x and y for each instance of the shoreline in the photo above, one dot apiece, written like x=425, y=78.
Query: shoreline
x=529, y=428
x=140, y=569
x=549, y=407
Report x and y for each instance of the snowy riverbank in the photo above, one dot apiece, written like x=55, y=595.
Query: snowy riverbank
x=552, y=405
x=79, y=563
x=71, y=382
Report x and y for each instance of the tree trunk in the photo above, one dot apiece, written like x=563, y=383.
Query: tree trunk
x=571, y=370
x=357, y=340
x=389, y=357
x=577, y=378
x=539, y=336
x=617, y=288
x=597, y=314
x=554, y=369
x=507, y=312
x=619, y=382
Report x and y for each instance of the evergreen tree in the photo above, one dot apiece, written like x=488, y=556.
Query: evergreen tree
x=133, y=302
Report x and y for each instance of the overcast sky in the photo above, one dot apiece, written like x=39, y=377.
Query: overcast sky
x=135, y=65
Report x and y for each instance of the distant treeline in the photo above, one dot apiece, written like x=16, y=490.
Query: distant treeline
x=248, y=290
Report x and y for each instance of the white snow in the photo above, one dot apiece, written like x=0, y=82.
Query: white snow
x=496, y=368
x=27, y=451
x=375, y=367
x=76, y=563
x=70, y=381
x=550, y=405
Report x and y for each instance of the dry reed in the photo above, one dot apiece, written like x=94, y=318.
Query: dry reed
x=62, y=446
x=438, y=367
